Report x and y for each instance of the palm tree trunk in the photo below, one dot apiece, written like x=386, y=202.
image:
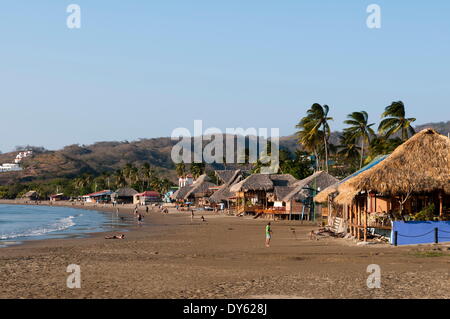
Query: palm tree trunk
x=316, y=155
x=326, y=150
x=362, y=153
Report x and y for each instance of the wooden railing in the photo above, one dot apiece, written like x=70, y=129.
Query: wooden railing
x=262, y=210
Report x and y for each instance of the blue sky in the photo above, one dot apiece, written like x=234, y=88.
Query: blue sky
x=139, y=69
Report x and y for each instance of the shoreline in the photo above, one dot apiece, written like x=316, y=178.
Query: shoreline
x=125, y=211
x=172, y=257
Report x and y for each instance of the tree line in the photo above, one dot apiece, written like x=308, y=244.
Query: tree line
x=358, y=143
x=140, y=178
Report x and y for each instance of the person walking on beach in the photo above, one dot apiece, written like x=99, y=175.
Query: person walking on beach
x=192, y=215
x=146, y=209
x=268, y=234
x=140, y=219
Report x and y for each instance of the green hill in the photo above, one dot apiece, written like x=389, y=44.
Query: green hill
x=75, y=160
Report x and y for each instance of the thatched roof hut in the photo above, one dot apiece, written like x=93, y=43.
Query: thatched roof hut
x=225, y=176
x=224, y=192
x=282, y=192
x=318, y=181
x=32, y=195
x=283, y=180
x=322, y=197
x=255, y=182
x=264, y=182
x=179, y=194
x=199, y=187
x=420, y=165
x=125, y=192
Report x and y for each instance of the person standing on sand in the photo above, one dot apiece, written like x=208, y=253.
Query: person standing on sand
x=268, y=234
x=192, y=215
x=146, y=209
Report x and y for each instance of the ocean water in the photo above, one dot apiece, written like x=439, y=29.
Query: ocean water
x=22, y=222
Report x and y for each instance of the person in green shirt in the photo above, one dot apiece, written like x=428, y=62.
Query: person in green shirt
x=268, y=234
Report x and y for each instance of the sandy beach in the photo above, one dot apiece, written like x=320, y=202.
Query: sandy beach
x=170, y=256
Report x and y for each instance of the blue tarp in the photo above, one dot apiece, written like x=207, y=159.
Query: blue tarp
x=412, y=233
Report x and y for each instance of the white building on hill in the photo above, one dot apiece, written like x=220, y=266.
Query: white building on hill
x=8, y=167
x=22, y=155
x=15, y=167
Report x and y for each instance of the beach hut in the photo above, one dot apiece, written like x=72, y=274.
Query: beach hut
x=31, y=195
x=299, y=199
x=261, y=194
x=227, y=176
x=223, y=197
x=57, y=197
x=197, y=193
x=124, y=195
x=414, y=178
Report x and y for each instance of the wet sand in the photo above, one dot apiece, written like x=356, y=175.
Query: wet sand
x=171, y=256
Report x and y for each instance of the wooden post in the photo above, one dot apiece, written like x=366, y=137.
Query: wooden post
x=441, y=204
x=353, y=219
x=358, y=233
x=290, y=209
x=366, y=208
x=365, y=225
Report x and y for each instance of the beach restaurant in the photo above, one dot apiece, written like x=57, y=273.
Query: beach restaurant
x=404, y=190
x=260, y=194
x=146, y=197
x=124, y=195
x=101, y=196
x=280, y=195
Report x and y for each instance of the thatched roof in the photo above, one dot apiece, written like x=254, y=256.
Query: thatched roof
x=200, y=186
x=224, y=192
x=263, y=182
x=322, y=197
x=319, y=180
x=283, y=191
x=125, y=192
x=420, y=165
x=283, y=180
x=226, y=175
x=181, y=192
x=30, y=194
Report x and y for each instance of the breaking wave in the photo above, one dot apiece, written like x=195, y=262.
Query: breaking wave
x=61, y=224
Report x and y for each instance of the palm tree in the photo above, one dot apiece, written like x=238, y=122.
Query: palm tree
x=146, y=173
x=349, y=148
x=181, y=169
x=165, y=185
x=359, y=129
x=395, y=120
x=120, y=180
x=197, y=169
x=380, y=145
x=310, y=143
x=313, y=126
